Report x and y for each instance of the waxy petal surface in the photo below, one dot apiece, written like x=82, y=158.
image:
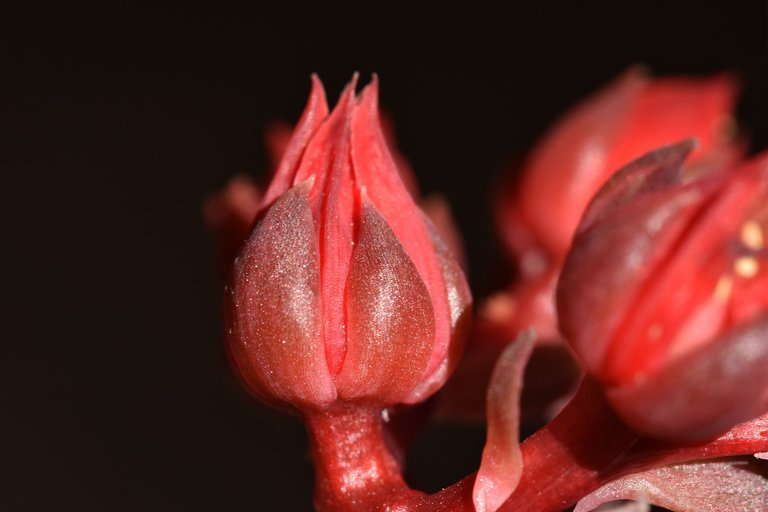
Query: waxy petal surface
x=728, y=485
x=607, y=267
x=274, y=330
x=704, y=393
x=389, y=315
x=460, y=309
x=375, y=172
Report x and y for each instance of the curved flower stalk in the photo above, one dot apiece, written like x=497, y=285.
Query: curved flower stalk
x=588, y=446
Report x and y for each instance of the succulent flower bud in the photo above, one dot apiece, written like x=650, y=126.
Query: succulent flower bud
x=664, y=294
x=343, y=291
x=633, y=115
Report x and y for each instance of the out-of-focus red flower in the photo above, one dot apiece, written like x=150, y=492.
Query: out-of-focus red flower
x=537, y=212
x=664, y=294
x=343, y=291
x=537, y=216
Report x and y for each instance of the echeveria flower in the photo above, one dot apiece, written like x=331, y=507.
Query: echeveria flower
x=664, y=295
x=343, y=291
x=628, y=118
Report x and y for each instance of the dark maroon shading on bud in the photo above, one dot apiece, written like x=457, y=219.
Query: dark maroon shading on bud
x=706, y=392
x=664, y=294
x=609, y=262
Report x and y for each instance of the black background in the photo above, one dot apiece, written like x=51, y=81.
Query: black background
x=116, y=123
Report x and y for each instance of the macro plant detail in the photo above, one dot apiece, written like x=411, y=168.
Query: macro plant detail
x=345, y=302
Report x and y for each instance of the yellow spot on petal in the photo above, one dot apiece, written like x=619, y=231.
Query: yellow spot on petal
x=723, y=288
x=752, y=235
x=746, y=267
x=499, y=307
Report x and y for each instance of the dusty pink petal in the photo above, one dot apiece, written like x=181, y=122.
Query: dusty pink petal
x=725, y=485
x=376, y=173
x=763, y=455
x=502, y=464
x=390, y=321
x=460, y=310
x=272, y=320
x=326, y=160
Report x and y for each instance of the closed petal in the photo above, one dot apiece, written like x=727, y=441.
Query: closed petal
x=272, y=306
x=460, y=309
x=609, y=264
x=703, y=394
x=375, y=171
x=390, y=321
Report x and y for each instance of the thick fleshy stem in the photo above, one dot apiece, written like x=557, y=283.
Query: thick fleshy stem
x=354, y=469
x=572, y=455
x=587, y=445
x=584, y=447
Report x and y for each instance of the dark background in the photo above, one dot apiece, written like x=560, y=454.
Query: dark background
x=116, y=122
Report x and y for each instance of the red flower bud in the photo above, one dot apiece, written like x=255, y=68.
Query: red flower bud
x=343, y=291
x=664, y=294
x=633, y=115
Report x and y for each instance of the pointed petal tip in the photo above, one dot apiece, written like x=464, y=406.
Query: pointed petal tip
x=317, y=91
x=369, y=97
x=347, y=98
x=307, y=184
x=352, y=84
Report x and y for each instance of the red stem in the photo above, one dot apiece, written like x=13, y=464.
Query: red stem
x=587, y=445
x=584, y=447
x=354, y=469
x=572, y=455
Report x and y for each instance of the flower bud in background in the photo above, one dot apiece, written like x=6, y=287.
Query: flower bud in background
x=664, y=294
x=343, y=291
x=537, y=209
x=537, y=215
